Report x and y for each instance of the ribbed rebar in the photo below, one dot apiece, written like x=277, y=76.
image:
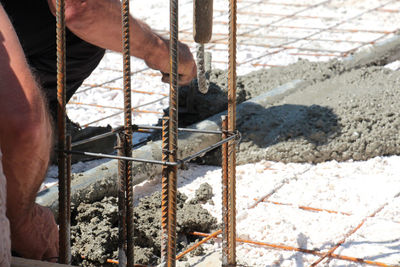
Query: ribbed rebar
x=224, y=167
x=348, y=234
x=307, y=251
x=128, y=131
x=164, y=192
x=232, y=128
x=167, y=163
x=64, y=239
x=68, y=185
x=173, y=132
x=122, y=260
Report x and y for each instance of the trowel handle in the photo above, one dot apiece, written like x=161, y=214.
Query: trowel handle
x=202, y=20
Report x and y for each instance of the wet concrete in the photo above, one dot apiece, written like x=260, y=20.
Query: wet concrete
x=258, y=82
x=345, y=110
x=354, y=115
x=300, y=113
x=95, y=228
x=306, y=112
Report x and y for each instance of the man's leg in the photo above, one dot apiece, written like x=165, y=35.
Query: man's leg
x=25, y=138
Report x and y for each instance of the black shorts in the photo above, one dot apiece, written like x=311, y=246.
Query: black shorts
x=36, y=30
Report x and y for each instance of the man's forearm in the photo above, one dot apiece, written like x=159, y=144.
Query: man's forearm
x=25, y=130
x=99, y=22
x=25, y=139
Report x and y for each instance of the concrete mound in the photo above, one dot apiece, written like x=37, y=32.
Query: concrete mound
x=94, y=229
x=340, y=114
x=354, y=115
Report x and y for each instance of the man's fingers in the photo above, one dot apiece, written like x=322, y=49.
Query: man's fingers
x=165, y=77
x=182, y=79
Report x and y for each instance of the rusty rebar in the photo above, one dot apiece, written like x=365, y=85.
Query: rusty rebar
x=128, y=131
x=178, y=162
x=122, y=260
x=302, y=250
x=64, y=238
x=224, y=167
x=173, y=133
x=348, y=234
x=196, y=245
x=164, y=192
x=232, y=127
x=68, y=185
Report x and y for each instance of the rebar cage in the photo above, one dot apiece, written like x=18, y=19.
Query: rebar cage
x=169, y=161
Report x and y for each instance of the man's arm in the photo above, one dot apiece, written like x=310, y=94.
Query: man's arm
x=25, y=139
x=99, y=22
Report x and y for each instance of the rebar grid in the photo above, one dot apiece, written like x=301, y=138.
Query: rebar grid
x=288, y=45
x=291, y=248
x=347, y=235
x=329, y=254
x=270, y=39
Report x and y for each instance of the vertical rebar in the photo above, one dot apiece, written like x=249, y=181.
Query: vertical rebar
x=64, y=240
x=122, y=261
x=173, y=132
x=69, y=171
x=232, y=128
x=127, y=131
x=68, y=196
x=164, y=192
x=224, y=167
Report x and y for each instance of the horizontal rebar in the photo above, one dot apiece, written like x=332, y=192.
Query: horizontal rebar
x=306, y=207
x=107, y=156
x=121, y=112
x=138, y=128
x=117, y=262
x=257, y=25
x=196, y=245
x=181, y=129
x=278, y=15
x=205, y=150
x=285, y=37
x=112, y=107
x=111, y=88
x=109, y=81
x=349, y=233
x=93, y=138
x=307, y=251
x=159, y=162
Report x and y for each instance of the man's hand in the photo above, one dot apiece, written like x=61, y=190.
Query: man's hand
x=36, y=237
x=160, y=60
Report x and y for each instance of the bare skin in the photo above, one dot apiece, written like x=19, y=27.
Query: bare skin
x=99, y=23
x=25, y=129
x=25, y=135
